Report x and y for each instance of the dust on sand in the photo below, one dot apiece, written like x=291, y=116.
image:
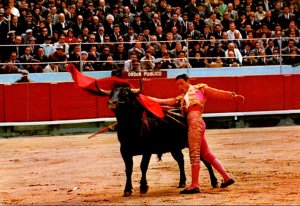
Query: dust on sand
x=74, y=170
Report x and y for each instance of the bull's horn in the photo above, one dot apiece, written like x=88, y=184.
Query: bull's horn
x=102, y=91
x=106, y=92
x=135, y=91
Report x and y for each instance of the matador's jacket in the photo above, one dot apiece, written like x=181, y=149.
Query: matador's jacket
x=192, y=105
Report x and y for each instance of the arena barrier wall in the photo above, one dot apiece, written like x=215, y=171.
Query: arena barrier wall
x=63, y=101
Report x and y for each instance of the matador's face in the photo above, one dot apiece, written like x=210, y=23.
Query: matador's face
x=183, y=85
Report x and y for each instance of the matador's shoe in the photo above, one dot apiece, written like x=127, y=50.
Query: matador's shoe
x=192, y=191
x=226, y=184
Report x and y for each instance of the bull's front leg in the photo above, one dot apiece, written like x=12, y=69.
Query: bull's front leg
x=178, y=156
x=128, y=170
x=144, y=167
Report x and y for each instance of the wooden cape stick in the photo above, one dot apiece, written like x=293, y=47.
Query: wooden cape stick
x=103, y=130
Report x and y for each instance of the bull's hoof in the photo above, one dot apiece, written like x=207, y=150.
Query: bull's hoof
x=127, y=194
x=214, y=184
x=144, y=189
x=181, y=185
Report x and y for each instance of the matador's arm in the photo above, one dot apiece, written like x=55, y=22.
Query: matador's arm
x=221, y=94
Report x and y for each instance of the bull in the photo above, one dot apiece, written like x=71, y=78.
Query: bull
x=142, y=133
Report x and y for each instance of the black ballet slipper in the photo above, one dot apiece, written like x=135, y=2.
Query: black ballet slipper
x=192, y=191
x=226, y=184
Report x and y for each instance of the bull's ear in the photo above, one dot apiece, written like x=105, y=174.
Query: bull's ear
x=102, y=92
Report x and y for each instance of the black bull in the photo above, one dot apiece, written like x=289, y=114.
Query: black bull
x=141, y=133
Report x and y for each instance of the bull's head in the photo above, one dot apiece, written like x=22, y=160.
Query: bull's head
x=120, y=95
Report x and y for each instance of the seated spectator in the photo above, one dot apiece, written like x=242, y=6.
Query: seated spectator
x=196, y=61
x=41, y=56
x=147, y=62
x=51, y=67
x=34, y=67
x=94, y=56
x=181, y=61
x=47, y=46
x=250, y=60
x=127, y=63
x=236, y=54
x=232, y=60
x=166, y=62
x=59, y=56
x=135, y=65
x=61, y=42
x=84, y=64
x=275, y=59
x=9, y=68
x=262, y=59
x=26, y=57
x=218, y=62
x=293, y=58
x=15, y=61
x=137, y=49
x=109, y=65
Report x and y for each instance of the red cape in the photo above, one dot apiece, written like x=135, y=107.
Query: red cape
x=90, y=84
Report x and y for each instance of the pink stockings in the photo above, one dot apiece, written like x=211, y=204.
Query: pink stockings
x=198, y=145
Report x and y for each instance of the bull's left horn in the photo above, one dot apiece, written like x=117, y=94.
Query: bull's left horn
x=135, y=91
x=106, y=92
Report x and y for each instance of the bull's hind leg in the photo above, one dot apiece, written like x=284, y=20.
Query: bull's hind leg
x=213, y=179
x=178, y=156
x=144, y=167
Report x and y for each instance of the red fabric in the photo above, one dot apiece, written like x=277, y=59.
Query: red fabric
x=87, y=83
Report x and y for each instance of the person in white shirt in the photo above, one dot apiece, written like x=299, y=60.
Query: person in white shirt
x=232, y=30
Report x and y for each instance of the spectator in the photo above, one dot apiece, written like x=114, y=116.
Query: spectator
x=120, y=55
x=47, y=46
x=26, y=57
x=147, y=62
x=61, y=43
x=236, y=57
x=286, y=17
x=231, y=60
x=59, y=56
x=250, y=60
x=136, y=66
x=50, y=68
x=13, y=59
x=166, y=62
x=33, y=46
x=85, y=65
x=194, y=33
x=197, y=61
x=275, y=59
x=9, y=68
x=109, y=65
x=40, y=56
x=260, y=14
x=181, y=61
x=128, y=63
x=137, y=49
x=293, y=58
x=78, y=26
x=34, y=67
x=232, y=32
x=262, y=59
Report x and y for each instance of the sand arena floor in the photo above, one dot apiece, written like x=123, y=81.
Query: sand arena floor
x=74, y=170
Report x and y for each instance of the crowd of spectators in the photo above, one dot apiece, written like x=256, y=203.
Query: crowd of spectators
x=124, y=35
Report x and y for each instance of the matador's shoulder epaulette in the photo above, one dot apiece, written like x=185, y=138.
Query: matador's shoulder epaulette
x=199, y=86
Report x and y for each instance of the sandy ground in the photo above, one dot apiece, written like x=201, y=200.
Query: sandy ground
x=74, y=170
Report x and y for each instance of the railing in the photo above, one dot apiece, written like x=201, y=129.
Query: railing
x=187, y=45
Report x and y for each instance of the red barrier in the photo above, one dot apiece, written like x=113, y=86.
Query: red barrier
x=27, y=102
x=2, y=105
x=291, y=91
x=63, y=101
x=262, y=93
x=69, y=102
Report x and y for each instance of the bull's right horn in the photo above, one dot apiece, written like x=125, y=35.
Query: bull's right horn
x=135, y=91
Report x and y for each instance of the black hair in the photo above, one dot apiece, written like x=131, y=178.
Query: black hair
x=185, y=77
